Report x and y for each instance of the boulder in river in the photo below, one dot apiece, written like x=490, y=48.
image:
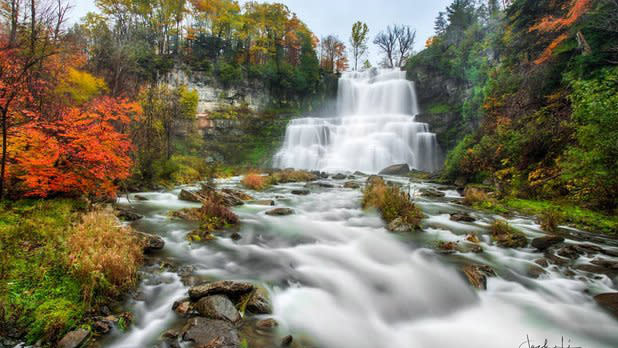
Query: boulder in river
x=74, y=339
x=229, y=288
x=210, y=333
x=182, y=307
x=267, y=324
x=400, y=226
x=477, y=275
x=397, y=169
x=339, y=177
x=189, y=196
x=267, y=202
x=260, y=302
x=127, y=214
x=545, y=242
x=280, y=212
x=301, y=192
x=150, y=242
x=217, y=307
x=432, y=193
x=462, y=217
x=140, y=198
x=351, y=185
x=609, y=302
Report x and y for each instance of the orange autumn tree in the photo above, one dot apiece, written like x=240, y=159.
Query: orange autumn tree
x=574, y=10
x=82, y=152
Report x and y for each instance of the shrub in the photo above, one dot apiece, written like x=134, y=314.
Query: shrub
x=506, y=236
x=391, y=202
x=474, y=196
x=104, y=255
x=549, y=220
x=254, y=181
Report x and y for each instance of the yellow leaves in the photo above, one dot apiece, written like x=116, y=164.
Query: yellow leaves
x=81, y=86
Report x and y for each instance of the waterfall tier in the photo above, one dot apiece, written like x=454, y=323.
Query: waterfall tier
x=375, y=128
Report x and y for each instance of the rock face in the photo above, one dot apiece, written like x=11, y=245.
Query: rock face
x=74, y=339
x=397, y=169
x=189, y=196
x=210, y=333
x=477, y=275
x=151, y=242
x=544, y=243
x=231, y=289
x=217, y=307
x=609, y=302
x=280, y=212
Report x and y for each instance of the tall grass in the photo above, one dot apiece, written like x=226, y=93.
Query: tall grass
x=255, y=181
x=104, y=255
x=391, y=202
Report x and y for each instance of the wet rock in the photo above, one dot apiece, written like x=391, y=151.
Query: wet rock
x=508, y=237
x=182, y=307
x=260, y=302
x=535, y=271
x=233, y=198
x=140, y=198
x=545, y=242
x=150, y=242
x=287, y=341
x=339, y=177
x=236, y=236
x=127, y=214
x=102, y=326
x=268, y=202
x=229, y=288
x=609, y=302
x=170, y=334
x=359, y=173
x=462, y=217
x=473, y=238
x=397, y=169
x=477, y=275
x=609, y=264
x=74, y=339
x=280, y=212
x=431, y=193
x=460, y=182
x=352, y=185
x=189, y=214
x=570, y=252
x=400, y=226
x=267, y=324
x=555, y=259
x=301, y=192
x=210, y=333
x=217, y=307
x=477, y=249
x=189, y=196
x=541, y=262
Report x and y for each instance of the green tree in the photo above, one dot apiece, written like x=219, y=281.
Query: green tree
x=358, y=41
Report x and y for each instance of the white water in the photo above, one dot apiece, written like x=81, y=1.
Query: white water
x=337, y=277
x=375, y=127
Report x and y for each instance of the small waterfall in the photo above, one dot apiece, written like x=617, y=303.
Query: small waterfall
x=375, y=127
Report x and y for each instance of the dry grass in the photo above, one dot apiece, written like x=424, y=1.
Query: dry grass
x=255, y=181
x=391, y=202
x=474, y=196
x=506, y=236
x=105, y=255
x=549, y=220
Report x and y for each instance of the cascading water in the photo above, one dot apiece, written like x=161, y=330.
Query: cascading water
x=375, y=128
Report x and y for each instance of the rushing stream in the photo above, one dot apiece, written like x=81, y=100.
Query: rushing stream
x=339, y=279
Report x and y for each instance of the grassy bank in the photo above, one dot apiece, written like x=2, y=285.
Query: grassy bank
x=58, y=263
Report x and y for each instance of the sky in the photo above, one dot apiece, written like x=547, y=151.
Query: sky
x=326, y=17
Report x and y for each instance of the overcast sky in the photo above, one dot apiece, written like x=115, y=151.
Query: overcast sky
x=337, y=16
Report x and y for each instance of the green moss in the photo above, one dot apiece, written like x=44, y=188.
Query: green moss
x=38, y=294
x=440, y=108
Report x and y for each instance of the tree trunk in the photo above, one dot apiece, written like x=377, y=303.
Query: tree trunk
x=4, y=145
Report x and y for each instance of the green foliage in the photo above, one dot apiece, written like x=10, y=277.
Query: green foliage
x=38, y=293
x=452, y=168
x=591, y=166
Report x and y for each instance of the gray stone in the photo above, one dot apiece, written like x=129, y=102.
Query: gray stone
x=74, y=339
x=609, y=302
x=188, y=196
x=397, y=169
x=280, y=212
x=150, y=242
x=339, y=177
x=210, y=333
x=399, y=226
x=260, y=302
x=217, y=307
x=301, y=192
x=545, y=242
x=352, y=185
x=462, y=217
x=127, y=214
x=229, y=288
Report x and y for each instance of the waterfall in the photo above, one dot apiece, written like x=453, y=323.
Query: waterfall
x=375, y=128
